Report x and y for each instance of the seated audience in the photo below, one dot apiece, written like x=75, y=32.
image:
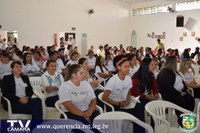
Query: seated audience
x=172, y=87
x=91, y=78
x=60, y=68
x=51, y=81
x=91, y=60
x=109, y=63
x=73, y=58
x=118, y=92
x=134, y=65
x=101, y=70
x=37, y=60
x=77, y=96
x=144, y=82
x=28, y=66
x=4, y=66
x=187, y=74
x=17, y=88
x=155, y=67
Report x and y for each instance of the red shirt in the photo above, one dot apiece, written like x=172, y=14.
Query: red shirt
x=135, y=88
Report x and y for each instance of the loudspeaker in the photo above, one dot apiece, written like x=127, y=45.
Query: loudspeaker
x=190, y=24
x=179, y=21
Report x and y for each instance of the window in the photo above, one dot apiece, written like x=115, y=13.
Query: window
x=195, y=4
x=151, y=10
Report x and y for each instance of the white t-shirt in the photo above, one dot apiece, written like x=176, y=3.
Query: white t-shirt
x=80, y=96
x=30, y=68
x=5, y=69
x=71, y=42
x=20, y=87
x=187, y=77
x=51, y=80
x=110, y=66
x=98, y=70
x=91, y=62
x=38, y=63
x=133, y=70
x=119, y=88
x=178, y=85
x=101, y=53
x=59, y=66
x=71, y=62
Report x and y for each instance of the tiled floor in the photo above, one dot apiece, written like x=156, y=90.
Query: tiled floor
x=51, y=114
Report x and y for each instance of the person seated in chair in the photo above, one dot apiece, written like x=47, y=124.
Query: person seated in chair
x=77, y=97
x=144, y=82
x=173, y=88
x=51, y=81
x=101, y=70
x=17, y=88
x=117, y=92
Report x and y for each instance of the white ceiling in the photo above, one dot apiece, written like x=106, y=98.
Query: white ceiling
x=141, y=1
x=136, y=1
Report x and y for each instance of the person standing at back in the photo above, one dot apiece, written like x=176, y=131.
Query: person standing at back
x=159, y=45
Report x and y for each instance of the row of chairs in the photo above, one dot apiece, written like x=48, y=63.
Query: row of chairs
x=157, y=109
x=154, y=108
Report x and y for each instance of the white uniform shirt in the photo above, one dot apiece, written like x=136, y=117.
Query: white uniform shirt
x=80, y=96
x=71, y=62
x=110, y=66
x=38, y=63
x=178, y=85
x=91, y=62
x=20, y=87
x=119, y=88
x=59, y=66
x=5, y=69
x=51, y=80
x=187, y=77
x=133, y=70
x=30, y=68
x=98, y=70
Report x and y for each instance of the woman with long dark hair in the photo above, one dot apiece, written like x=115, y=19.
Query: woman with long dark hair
x=144, y=82
x=101, y=70
x=28, y=66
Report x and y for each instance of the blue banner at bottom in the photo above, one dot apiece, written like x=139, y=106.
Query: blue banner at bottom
x=56, y=126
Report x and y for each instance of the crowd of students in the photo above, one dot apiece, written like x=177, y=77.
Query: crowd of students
x=75, y=80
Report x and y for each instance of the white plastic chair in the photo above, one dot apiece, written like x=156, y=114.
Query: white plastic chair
x=198, y=115
x=111, y=106
x=58, y=107
x=108, y=104
x=35, y=82
x=37, y=89
x=157, y=109
x=12, y=115
x=114, y=121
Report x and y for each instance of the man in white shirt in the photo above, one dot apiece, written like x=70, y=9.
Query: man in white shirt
x=101, y=52
x=71, y=42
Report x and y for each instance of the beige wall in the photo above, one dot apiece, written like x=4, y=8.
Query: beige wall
x=37, y=20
